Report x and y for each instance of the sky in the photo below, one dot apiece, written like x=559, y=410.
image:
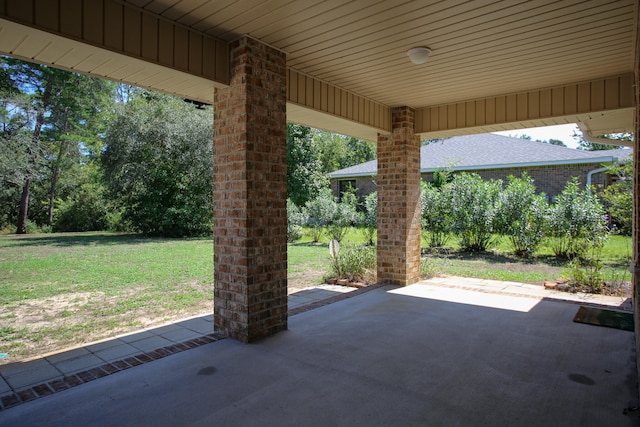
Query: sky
x=562, y=132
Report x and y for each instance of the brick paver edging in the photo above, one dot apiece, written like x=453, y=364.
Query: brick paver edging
x=335, y=298
x=82, y=377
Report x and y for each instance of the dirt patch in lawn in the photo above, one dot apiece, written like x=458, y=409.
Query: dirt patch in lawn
x=32, y=327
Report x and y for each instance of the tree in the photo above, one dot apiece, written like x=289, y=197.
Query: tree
x=339, y=151
x=555, y=142
x=157, y=164
x=76, y=122
x=15, y=136
x=312, y=154
x=360, y=151
x=618, y=197
x=39, y=83
x=305, y=175
x=590, y=146
x=60, y=110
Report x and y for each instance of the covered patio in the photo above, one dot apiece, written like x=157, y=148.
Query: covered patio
x=417, y=355
x=343, y=67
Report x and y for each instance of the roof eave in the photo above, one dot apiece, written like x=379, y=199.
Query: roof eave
x=598, y=160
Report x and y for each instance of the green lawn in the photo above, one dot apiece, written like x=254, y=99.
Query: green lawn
x=58, y=290
x=501, y=264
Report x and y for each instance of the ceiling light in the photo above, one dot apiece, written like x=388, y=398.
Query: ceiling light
x=419, y=55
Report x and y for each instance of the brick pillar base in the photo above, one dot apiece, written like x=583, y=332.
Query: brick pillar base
x=250, y=191
x=399, y=201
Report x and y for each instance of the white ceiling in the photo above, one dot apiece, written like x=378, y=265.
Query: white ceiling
x=480, y=48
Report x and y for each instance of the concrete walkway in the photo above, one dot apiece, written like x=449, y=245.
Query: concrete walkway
x=434, y=353
x=28, y=380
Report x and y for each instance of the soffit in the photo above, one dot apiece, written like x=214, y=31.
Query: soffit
x=480, y=48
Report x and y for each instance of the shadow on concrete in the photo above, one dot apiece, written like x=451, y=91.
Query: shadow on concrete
x=419, y=355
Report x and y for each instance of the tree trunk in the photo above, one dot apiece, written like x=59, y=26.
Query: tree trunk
x=24, y=206
x=33, y=154
x=54, y=181
x=52, y=193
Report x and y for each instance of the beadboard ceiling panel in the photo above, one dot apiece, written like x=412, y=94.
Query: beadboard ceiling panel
x=480, y=48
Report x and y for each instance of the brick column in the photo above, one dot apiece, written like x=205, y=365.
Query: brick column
x=399, y=201
x=250, y=190
x=635, y=263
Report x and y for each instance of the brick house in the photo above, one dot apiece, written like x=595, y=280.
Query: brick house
x=496, y=157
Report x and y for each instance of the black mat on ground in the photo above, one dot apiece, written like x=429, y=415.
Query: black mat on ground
x=604, y=317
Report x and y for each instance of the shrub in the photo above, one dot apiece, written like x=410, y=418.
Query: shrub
x=436, y=218
x=576, y=222
x=618, y=197
x=86, y=211
x=521, y=215
x=320, y=211
x=354, y=263
x=369, y=218
x=473, y=210
x=344, y=216
x=296, y=219
x=31, y=227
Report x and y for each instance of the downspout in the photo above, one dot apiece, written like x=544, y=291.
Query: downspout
x=590, y=174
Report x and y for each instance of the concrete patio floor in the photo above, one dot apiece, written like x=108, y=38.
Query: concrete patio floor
x=427, y=354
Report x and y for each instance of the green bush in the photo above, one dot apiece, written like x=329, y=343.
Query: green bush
x=32, y=228
x=473, y=210
x=157, y=165
x=436, y=218
x=354, y=263
x=618, y=198
x=320, y=211
x=296, y=219
x=86, y=211
x=368, y=218
x=577, y=221
x=521, y=215
x=344, y=216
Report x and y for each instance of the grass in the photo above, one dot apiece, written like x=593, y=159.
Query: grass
x=501, y=264
x=58, y=290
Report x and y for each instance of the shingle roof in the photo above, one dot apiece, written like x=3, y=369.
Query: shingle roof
x=489, y=151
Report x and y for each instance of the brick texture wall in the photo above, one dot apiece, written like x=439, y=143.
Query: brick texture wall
x=250, y=186
x=399, y=201
x=365, y=185
x=550, y=180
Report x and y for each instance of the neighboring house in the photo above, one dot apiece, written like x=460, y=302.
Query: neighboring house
x=496, y=157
